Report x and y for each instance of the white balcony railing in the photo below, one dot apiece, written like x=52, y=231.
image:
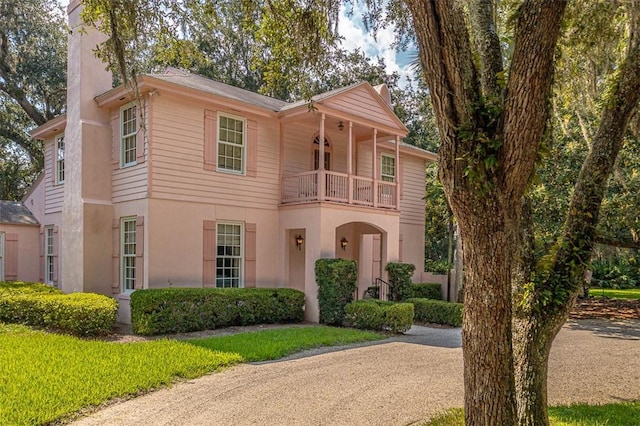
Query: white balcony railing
x=338, y=187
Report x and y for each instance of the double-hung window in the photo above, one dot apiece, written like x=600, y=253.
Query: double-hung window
x=128, y=134
x=388, y=169
x=59, y=160
x=48, y=253
x=128, y=254
x=231, y=143
x=229, y=255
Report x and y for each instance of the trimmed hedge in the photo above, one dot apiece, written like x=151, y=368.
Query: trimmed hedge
x=337, y=282
x=399, y=280
x=426, y=291
x=21, y=287
x=437, y=311
x=40, y=305
x=373, y=314
x=179, y=310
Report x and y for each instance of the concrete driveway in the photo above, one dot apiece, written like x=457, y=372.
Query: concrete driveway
x=399, y=381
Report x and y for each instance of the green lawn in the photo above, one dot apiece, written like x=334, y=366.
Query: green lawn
x=627, y=414
x=46, y=377
x=611, y=293
x=278, y=343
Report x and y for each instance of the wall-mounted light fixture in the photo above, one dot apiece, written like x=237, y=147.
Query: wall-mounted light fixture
x=299, y=241
x=344, y=243
x=340, y=126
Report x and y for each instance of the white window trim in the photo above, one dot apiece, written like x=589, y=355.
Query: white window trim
x=57, y=159
x=395, y=169
x=242, y=172
x=122, y=253
x=242, y=237
x=122, y=135
x=48, y=255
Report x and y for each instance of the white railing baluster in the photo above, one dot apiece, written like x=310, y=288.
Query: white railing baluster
x=338, y=187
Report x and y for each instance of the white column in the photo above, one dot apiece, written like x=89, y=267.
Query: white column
x=374, y=174
x=321, y=175
x=350, y=163
x=397, y=172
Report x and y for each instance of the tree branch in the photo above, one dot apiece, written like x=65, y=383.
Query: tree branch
x=528, y=88
x=20, y=97
x=450, y=74
x=487, y=42
x=580, y=228
x=630, y=244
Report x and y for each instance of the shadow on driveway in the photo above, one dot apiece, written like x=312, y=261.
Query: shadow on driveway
x=418, y=334
x=611, y=329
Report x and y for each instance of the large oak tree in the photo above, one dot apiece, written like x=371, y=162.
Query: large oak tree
x=32, y=86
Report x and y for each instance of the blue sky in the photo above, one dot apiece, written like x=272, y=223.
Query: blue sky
x=355, y=36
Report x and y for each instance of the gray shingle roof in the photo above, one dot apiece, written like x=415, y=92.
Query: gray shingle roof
x=16, y=213
x=224, y=90
x=320, y=96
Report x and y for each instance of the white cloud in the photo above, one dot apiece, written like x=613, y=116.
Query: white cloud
x=355, y=36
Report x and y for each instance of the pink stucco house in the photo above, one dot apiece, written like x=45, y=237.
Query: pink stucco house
x=198, y=183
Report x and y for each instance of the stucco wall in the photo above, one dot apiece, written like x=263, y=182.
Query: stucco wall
x=175, y=246
x=28, y=254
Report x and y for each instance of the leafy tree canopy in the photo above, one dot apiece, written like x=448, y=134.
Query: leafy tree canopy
x=32, y=85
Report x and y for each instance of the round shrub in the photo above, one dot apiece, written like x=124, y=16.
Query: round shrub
x=437, y=311
x=379, y=315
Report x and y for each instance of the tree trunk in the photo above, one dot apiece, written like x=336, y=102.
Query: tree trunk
x=531, y=347
x=486, y=335
x=543, y=300
x=489, y=145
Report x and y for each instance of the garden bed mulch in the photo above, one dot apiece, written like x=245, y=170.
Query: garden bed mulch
x=604, y=308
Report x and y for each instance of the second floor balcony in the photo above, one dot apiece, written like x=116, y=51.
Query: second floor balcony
x=325, y=185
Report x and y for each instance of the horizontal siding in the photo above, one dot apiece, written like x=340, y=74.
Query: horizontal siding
x=130, y=183
x=177, y=171
x=53, y=194
x=361, y=103
x=297, y=155
x=412, y=205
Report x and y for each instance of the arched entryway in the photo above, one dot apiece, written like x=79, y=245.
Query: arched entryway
x=366, y=244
